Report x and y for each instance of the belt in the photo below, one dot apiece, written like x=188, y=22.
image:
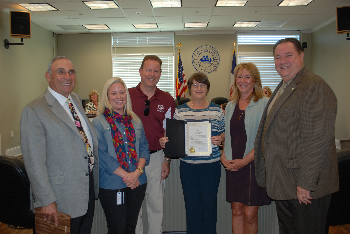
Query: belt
x=154, y=151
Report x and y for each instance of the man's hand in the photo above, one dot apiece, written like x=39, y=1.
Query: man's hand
x=303, y=196
x=49, y=212
x=165, y=170
x=162, y=141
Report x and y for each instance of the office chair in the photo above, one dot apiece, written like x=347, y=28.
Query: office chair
x=15, y=193
x=181, y=100
x=219, y=100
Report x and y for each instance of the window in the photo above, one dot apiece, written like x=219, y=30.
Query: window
x=264, y=61
x=126, y=66
x=248, y=39
x=261, y=43
x=127, y=59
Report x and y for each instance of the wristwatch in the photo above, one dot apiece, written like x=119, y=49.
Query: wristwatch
x=168, y=160
x=140, y=169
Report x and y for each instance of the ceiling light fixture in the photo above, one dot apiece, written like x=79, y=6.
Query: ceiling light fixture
x=196, y=25
x=246, y=24
x=295, y=2
x=150, y=25
x=165, y=3
x=96, y=26
x=97, y=5
x=38, y=7
x=227, y=3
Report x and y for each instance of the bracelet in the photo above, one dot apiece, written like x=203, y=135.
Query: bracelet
x=140, y=169
x=168, y=160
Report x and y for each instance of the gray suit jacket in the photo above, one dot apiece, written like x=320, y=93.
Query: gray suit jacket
x=295, y=145
x=55, y=155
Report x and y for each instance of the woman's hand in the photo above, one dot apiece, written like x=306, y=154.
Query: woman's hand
x=137, y=184
x=226, y=163
x=132, y=179
x=238, y=164
x=216, y=140
x=162, y=141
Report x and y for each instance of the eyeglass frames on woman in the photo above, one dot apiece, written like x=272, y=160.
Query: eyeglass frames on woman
x=197, y=85
x=146, y=110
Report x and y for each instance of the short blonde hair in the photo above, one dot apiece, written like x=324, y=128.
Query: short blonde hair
x=94, y=92
x=105, y=103
x=255, y=75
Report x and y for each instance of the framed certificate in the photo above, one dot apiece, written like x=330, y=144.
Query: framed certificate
x=188, y=139
x=197, y=135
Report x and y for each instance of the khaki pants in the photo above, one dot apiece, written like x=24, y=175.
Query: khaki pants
x=154, y=195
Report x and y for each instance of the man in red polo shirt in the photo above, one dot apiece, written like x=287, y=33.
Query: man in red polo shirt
x=153, y=106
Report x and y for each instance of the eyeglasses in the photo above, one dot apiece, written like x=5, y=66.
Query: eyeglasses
x=146, y=110
x=196, y=85
x=63, y=72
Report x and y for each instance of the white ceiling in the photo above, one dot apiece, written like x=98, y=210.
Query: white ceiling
x=73, y=14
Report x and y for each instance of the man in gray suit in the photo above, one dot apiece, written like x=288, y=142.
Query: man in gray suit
x=59, y=147
x=294, y=148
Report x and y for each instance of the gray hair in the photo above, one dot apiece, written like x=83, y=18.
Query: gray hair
x=53, y=60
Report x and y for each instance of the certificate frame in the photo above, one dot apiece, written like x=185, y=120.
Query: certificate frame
x=176, y=133
x=197, y=139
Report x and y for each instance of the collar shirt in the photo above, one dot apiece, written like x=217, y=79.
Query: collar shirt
x=62, y=100
x=279, y=93
x=162, y=106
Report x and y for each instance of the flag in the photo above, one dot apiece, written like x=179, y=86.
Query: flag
x=181, y=86
x=234, y=64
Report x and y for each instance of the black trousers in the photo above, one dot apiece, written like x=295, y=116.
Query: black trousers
x=295, y=218
x=83, y=224
x=122, y=207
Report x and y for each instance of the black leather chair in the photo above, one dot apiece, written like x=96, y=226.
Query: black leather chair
x=219, y=100
x=181, y=101
x=15, y=193
x=339, y=208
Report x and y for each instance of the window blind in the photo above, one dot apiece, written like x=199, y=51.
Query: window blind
x=266, y=65
x=127, y=65
x=262, y=39
x=142, y=39
x=263, y=60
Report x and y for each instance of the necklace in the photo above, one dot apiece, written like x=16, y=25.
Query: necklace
x=241, y=114
x=199, y=106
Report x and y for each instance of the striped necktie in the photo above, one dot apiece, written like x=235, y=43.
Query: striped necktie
x=82, y=133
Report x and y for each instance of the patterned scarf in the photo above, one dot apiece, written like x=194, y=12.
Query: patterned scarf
x=118, y=138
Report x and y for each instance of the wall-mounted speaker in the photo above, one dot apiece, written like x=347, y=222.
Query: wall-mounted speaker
x=343, y=19
x=20, y=24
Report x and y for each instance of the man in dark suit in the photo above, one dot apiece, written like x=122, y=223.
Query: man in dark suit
x=294, y=148
x=60, y=150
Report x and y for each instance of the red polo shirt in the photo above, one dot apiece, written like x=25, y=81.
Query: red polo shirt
x=161, y=104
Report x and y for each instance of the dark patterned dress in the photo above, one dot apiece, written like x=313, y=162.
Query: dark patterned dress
x=241, y=185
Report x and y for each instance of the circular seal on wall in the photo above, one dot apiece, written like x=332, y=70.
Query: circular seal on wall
x=205, y=59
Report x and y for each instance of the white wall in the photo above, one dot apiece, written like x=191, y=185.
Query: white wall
x=22, y=76
x=331, y=61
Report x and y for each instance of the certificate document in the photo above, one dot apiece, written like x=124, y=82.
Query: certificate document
x=197, y=139
x=188, y=139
